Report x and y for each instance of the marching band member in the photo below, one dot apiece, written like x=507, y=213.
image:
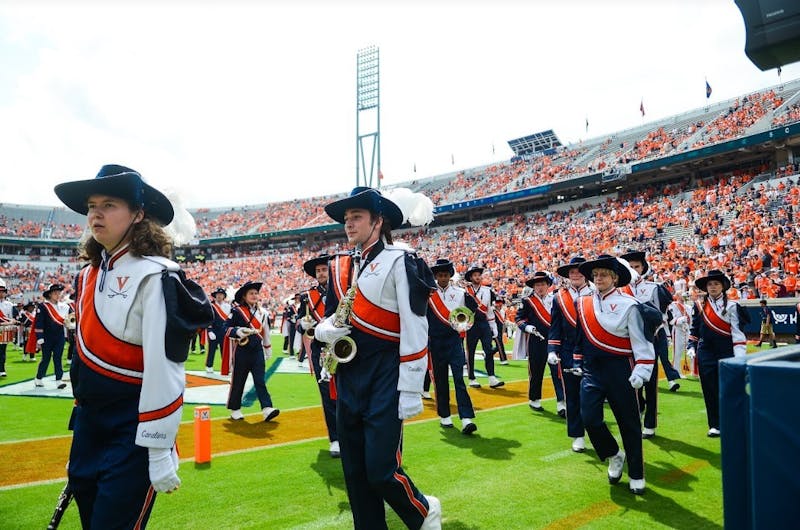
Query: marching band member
x=51, y=334
x=447, y=348
x=28, y=320
x=561, y=344
x=680, y=321
x=655, y=294
x=484, y=329
x=128, y=390
x=216, y=331
x=6, y=319
x=615, y=359
x=250, y=349
x=381, y=386
x=715, y=335
x=313, y=304
x=500, y=318
x=533, y=317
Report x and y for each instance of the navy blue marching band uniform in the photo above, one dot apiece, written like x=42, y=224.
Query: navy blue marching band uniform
x=447, y=351
x=50, y=329
x=561, y=341
x=217, y=328
x=610, y=344
x=500, y=318
x=535, y=311
x=314, y=303
x=715, y=335
x=479, y=301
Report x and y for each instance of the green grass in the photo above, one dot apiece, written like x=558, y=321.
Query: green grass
x=516, y=472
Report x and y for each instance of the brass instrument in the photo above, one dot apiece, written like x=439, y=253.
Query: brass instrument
x=308, y=321
x=461, y=318
x=343, y=350
x=70, y=322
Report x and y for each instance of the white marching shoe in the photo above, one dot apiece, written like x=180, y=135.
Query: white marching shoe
x=615, y=465
x=209, y=370
x=269, y=413
x=38, y=382
x=334, y=450
x=434, y=519
x=494, y=382
x=637, y=486
x=237, y=414
x=474, y=383
x=578, y=444
x=446, y=422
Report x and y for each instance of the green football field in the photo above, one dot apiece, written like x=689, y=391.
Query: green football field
x=517, y=471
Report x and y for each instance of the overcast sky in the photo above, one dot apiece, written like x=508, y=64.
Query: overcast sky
x=249, y=102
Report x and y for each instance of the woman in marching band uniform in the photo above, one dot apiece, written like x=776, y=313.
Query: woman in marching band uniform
x=6, y=319
x=715, y=335
x=51, y=334
x=250, y=351
x=615, y=360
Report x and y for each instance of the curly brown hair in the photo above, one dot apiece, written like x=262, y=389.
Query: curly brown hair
x=148, y=238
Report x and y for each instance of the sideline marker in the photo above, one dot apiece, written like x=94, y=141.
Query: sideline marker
x=202, y=434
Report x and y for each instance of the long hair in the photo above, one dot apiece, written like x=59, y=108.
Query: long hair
x=148, y=238
x=724, y=302
x=386, y=227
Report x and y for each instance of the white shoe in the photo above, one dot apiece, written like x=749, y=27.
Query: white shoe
x=446, y=422
x=3, y=374
x=60, y=384
x=209, y=370
x=434, y=519
x=578, y=444
x=536, y=405
x=615, y=465
x=468, y=426
x=269, y=413
x=38, y=382
x=504, y=363
x=237, y=414
x=474, y=383
x=334, y=450
x=426, y=395
x=494, y=382
x=637, y=486
x=561, y=409
x=713, y=433
x=648, y=433
x=674, y=386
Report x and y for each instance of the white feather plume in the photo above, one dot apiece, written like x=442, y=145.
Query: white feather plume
x=183, y=228
x=417, y=208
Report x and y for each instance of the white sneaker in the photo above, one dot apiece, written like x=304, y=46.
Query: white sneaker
x=637, y=486
x=713, y=433
x=60, y=384
x=674, y=386
x=426, y=395
x=3, y=374
x=237, y=414
x=648, y=433
x=209, y=370
x=504, y=363
x=578, y=444
x=334, y=450
x=536, y=405
x=474, y=383
x=38, y=382
x=561, y=408
x=615, y=465
x=468, y=426
x=269, y=413
x=434, y=519
x=494, y=382
x=446, y=422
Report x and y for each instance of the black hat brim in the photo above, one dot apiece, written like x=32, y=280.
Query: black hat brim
x=470, y=271
x=369, y=200
x=75, y=195
x=310, y=266
x=637, y=256
x=563, y=270
x=246, y=287
x=444, y=267
x=613, y=264
x=530, y=281
x=702, y=283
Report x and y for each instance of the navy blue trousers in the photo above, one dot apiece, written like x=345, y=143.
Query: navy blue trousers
x=108, y=473
x=447, y=355
x=572, y=398
x=51, y=349
x=328, y=404
x=480, y=331
x=371, y=442
x=708, y=366
x=607, y=378
x=537, y=360
x=250, y=361
x=212, y=349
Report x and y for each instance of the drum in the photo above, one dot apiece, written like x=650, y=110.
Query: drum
x=8, y=334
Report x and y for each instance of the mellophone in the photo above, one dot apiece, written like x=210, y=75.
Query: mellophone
x=9, y=333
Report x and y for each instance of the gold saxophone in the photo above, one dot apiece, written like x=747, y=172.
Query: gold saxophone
x=461, y=318
x=309, y=320
x=70, y=322
x=342, y=350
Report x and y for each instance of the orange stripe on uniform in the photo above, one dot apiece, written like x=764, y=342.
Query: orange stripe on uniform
x=414, y=356
x=598, y=335
x=163, y=412
x=714, y=321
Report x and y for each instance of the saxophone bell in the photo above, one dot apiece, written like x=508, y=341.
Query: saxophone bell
x=461, y=319
x=70, y=322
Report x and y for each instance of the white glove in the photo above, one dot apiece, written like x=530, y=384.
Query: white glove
x=740, y=350
x=493, y=327
x=577, y=371
x=244, y=332
x=212, y=335
x=268, y=352
x=39, y=342
x=325, y=331
x=410, y=404
x=690, y=353
x=530, y=329
x=552, y=358
x=307, y=324
x=163, y=467
x=324, y=375
x=640, y=375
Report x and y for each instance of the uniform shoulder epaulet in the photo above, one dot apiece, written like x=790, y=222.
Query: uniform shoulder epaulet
x=163, y=263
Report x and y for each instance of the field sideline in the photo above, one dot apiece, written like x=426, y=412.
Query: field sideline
x=517, y=471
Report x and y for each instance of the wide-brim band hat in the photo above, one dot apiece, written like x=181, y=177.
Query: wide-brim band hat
x=635, y=255
x=53, y=287
x=471, y=269
x=310, y=266
x=574, y=263
x=715, y=274
x=443, y=265
x=539, y=276
x=604, y=261
x=28, y=304
x=218, y=290
x=246, y=287
x=121, y=182
x=366, y=198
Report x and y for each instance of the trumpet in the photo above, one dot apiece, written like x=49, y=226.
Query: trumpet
x=70, y=322
x=461, y=318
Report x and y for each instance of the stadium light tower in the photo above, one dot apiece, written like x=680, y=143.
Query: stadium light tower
x=368, y=107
